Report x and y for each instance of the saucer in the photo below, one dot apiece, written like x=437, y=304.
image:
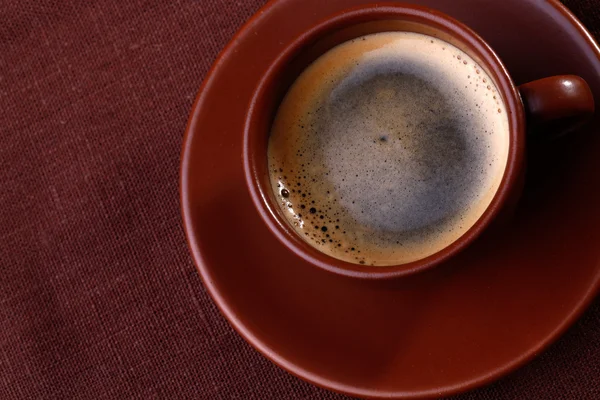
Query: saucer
x=461, y=325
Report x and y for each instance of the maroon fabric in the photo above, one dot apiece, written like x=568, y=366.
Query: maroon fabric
x=99, y=298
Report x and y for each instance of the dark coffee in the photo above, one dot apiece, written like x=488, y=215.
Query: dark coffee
x=388, y=148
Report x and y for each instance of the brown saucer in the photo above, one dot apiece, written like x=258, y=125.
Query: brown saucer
x=458, y=326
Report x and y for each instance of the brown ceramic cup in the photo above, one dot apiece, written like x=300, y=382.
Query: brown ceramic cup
x=556, y=103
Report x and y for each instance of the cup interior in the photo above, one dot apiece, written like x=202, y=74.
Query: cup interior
x=299, y=54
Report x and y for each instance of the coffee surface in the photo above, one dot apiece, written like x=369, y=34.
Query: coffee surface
x=388, y=148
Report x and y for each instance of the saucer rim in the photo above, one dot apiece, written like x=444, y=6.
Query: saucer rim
x=291, y=367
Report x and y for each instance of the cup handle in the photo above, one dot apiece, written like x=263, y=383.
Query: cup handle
x=556, y=105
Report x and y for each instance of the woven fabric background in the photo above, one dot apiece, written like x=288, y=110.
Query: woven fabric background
x=99, y=298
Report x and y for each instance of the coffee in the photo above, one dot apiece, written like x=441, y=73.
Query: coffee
x=388, y=148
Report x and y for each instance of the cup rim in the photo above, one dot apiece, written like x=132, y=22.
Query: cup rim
x=364, y=13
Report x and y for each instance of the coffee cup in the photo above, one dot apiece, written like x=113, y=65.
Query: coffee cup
x=387, y=138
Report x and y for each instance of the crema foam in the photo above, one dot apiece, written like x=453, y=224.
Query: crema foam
x=388, y=148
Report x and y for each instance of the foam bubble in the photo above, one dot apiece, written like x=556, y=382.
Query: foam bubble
x=384, y=152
